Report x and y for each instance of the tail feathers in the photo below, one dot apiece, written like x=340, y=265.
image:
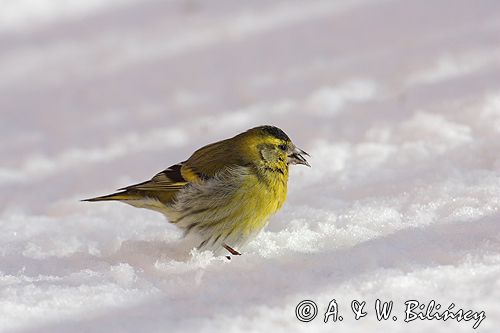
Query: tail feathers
x=115, y=196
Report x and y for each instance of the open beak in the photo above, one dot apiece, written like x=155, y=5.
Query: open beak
x=296, y=157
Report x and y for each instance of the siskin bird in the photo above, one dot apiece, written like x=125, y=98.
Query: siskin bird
x=225, y=192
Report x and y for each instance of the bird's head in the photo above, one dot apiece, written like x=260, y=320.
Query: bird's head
x=273, y=146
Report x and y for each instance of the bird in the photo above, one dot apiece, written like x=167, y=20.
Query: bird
x=225, y=193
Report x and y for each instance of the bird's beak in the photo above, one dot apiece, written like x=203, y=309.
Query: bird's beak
x=296, y=157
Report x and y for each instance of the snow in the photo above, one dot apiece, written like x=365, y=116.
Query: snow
x=398, y=103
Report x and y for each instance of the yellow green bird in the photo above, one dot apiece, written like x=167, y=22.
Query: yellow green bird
x=225, y=192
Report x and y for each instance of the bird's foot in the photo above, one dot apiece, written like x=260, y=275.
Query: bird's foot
x=232, y=251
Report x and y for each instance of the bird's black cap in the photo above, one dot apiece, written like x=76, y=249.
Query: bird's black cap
x=275, y=131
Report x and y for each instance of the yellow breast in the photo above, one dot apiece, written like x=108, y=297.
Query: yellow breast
x=259, y=200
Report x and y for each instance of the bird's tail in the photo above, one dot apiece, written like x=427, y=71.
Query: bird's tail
x=125, y=195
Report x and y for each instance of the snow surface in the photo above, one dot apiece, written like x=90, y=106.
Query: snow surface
x=398, y=102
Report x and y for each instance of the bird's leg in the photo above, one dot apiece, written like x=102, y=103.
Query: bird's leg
x=231, y=250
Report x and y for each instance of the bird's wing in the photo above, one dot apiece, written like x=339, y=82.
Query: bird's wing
x=204, y=164
x=208, y=161
x=169, y=179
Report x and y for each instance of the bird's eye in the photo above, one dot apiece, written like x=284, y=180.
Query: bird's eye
x=282, y=147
